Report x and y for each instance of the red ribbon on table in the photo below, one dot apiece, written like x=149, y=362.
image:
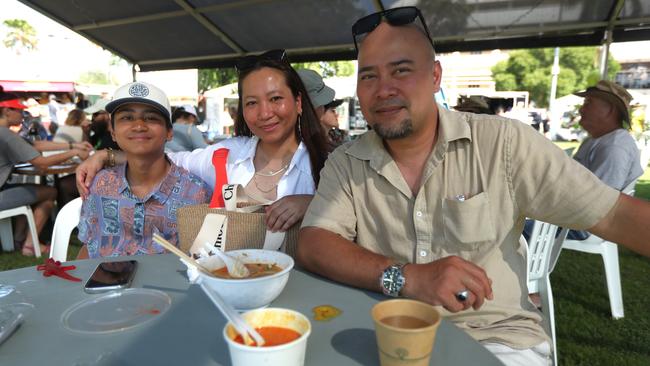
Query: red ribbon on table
x=54, y=268
x=219, y=160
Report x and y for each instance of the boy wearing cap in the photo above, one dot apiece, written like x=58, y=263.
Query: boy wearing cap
x=609, y=151
x=130, y=202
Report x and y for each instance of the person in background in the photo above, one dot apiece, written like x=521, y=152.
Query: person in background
x=16, y=150
x=322, y=98
x=74, y=129
x=130, y=202
x=279, y=148
x=609, y=152
x=474, y=104
x=100, y=136
x=430, y=203
x=186, y=136
x=82, y=103
x=330, y=122
x=53, y=107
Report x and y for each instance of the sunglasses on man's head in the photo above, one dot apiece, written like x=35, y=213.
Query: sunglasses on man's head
x=395, y=17
x=248, y=62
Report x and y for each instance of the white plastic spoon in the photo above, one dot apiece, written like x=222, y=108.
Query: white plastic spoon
x=236, y=267
x=241, y=326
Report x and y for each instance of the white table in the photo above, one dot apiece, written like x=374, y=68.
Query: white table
x=190, y=332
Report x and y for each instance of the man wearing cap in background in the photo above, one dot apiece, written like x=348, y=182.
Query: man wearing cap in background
x=322, y=98
x=474, y=104
x=610, y=151
x=186, y=136
x=100, y=127
x=130, y=202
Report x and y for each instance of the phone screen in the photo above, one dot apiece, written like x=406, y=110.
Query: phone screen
x=111, y=275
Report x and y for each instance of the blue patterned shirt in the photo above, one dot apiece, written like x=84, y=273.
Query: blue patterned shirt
x=114, y=222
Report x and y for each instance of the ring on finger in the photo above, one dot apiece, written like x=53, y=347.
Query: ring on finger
x=462, y=295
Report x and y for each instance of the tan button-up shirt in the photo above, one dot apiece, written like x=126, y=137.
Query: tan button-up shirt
x=485, y=175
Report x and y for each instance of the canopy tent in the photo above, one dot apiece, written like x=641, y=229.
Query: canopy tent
x=175, y=34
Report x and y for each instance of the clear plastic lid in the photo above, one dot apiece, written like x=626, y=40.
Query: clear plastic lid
x=116, y=311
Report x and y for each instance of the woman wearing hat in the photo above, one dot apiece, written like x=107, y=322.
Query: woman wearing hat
x=16, y=150
x=279, y=149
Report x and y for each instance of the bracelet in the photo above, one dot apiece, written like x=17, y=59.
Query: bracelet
x=70, y=145
x=111, y=157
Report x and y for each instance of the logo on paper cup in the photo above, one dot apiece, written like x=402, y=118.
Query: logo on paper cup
x=138, y=90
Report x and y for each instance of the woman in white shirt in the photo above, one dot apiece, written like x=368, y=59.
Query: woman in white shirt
x=279, y=149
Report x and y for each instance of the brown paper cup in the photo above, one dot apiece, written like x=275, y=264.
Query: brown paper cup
x=406, y=331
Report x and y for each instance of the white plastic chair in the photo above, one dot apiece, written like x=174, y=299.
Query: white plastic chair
x=609, y=252
x=6, y=231
x=66, y=220
x=543, y=249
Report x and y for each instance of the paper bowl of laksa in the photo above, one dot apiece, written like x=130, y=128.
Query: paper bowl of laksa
x=269, y=274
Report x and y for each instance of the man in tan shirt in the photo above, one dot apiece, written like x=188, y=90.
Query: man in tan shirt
x=447, y=194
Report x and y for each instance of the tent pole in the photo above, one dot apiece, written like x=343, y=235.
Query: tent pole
x=604, y=54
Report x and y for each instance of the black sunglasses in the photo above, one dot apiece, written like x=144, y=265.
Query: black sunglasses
x=248, y=62
x=395, y=17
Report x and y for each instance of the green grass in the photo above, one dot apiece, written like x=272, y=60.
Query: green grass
x=586, y=333
x=12, y=260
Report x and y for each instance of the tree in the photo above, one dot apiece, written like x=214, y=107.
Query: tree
x=94, y=77
x=214, y=78
x=328, y=68
x=20, y=35
x=530, y=70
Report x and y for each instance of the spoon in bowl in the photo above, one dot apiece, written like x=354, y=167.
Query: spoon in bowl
x=241, y=326
x=236, y=268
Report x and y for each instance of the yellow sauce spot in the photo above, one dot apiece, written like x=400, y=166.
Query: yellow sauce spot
x=324, y=313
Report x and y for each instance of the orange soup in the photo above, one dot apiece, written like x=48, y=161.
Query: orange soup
x=255, y=269
x=273, y=336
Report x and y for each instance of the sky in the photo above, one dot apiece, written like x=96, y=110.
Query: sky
x=63, y=55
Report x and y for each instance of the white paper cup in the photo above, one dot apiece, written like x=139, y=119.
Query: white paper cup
x=288, y=354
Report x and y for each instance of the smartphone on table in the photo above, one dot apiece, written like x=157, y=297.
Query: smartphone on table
x=110, y=276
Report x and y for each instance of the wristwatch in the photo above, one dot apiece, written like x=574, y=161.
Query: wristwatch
x=392, y=280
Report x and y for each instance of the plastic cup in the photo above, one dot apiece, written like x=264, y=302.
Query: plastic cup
x=288, y=354
x=406, y=331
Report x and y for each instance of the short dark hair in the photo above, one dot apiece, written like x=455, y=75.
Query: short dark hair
x=312, y=133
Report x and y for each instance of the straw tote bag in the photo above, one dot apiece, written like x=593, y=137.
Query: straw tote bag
x=238, y=226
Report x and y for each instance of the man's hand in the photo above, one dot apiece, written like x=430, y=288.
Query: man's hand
x=286, y=211
x=87, y=170
x=438, y=283
x=85, y=146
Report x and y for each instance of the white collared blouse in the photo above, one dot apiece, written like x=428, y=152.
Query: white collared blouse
x=296, y=180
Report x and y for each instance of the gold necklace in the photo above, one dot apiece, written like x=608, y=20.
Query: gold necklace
x=257, y=185
x=272, y=173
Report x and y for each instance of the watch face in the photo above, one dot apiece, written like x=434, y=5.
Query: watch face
x=392, y=280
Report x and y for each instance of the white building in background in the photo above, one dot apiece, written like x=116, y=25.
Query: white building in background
x=181, y=86
x=469, y=73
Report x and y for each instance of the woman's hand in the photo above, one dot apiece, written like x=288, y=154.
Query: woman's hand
x=87, y=170
x=82, y=154
x=285, y=212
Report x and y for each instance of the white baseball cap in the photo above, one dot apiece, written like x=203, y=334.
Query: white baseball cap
x=139, y=92
x=190, y=109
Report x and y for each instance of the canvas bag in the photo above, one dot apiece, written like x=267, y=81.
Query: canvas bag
x=241, y=225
